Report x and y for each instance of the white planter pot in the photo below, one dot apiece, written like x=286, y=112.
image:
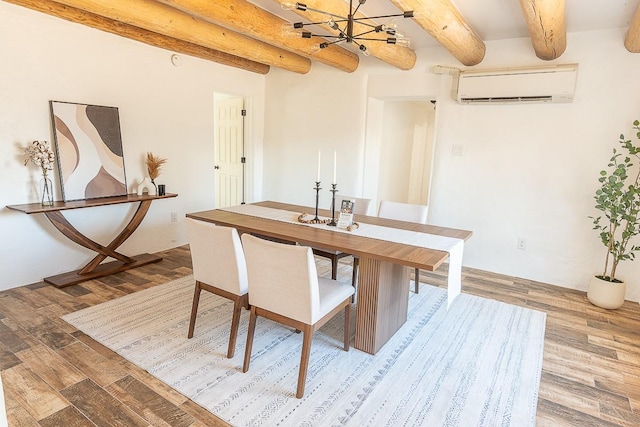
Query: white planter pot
x=606, y=294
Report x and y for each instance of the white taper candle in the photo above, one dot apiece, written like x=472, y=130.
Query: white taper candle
x=334, y=167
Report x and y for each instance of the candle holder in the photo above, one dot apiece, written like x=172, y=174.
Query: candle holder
x=317, y=220
x=333, y=190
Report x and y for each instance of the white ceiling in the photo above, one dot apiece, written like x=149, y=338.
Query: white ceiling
x=494, y=19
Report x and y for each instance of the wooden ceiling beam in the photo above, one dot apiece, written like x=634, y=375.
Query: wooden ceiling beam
x=138, y=34
x=442, y=20
x=399, y=56
x=547, y=27
x=632, y=39
x=247, y=18
x=159, y=18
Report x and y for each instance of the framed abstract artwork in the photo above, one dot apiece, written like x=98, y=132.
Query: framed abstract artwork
x=89, y=150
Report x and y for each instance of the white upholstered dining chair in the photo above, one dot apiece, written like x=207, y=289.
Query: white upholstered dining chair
x=284, y=287
x=219, y=267
x=405, y=212
x=361, y=207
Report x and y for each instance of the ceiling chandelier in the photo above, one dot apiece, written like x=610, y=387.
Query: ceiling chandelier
x=344, y=25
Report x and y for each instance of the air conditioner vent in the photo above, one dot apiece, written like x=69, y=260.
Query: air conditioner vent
x=517, y=85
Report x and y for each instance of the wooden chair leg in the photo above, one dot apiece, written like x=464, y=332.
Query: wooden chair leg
x=235, y=322
x=250, y=331
x=304, y=360
x=354, y=276
x=347, y=326
x=194, y=309
x=416, y=282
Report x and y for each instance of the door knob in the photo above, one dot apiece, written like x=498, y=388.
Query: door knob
x=216, y=167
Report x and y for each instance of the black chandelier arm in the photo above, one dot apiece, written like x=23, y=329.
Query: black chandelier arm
x=352, y=13
x=373, y=39
x=328, y=36
x=359, y=35
x=407, y=14
x=304, y=24
x=344, y=18
x=358, y=20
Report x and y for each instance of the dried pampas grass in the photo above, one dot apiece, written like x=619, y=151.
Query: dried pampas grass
x=154, y=164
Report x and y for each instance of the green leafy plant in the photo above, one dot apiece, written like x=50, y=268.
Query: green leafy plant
x=619, y=200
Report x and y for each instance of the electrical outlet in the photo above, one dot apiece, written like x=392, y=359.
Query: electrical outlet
x=522, y=243
x=457, y=150
x=174, y=217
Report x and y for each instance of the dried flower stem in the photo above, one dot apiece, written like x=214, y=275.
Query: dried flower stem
x=40, y=154
x=154, y=164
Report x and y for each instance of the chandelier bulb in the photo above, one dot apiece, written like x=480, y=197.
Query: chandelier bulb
x=331, y=24
x=288, y=30
x=389, y=26
x=290, y=5
x=405, y=41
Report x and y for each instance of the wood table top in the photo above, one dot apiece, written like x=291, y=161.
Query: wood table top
x=31, y=208
x=327, y=239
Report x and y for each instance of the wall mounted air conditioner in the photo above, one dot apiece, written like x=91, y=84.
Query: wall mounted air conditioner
x=554, y=83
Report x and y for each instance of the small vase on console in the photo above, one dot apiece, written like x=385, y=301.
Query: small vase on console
x=147, y=184
x=46, y=189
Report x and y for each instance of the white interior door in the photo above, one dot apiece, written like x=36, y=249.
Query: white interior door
x=229, y=151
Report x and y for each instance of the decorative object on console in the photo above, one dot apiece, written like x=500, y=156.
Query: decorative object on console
x=147, y=185
x=619, y=199
x=333, y=190
x=345, y=218
x=352, y=28
x=302, y=219
x=154, y=165
x=40, y=154
x=89, y=150
x=316, y=220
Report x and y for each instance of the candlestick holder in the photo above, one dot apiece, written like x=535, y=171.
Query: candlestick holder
x=333, y=190
x=317, y=220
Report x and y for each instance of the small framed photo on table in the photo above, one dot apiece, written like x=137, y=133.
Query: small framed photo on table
x=345, y=219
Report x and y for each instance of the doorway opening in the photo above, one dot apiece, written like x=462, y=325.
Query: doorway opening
x=399, y=150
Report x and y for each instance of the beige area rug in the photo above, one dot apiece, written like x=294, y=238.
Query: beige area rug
x=476, y=364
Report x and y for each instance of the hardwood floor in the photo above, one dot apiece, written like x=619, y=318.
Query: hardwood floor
x=54, y=375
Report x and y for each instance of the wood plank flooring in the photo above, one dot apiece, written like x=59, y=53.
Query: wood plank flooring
x=54, y=375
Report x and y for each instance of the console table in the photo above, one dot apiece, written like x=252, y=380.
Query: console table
x=95, y=268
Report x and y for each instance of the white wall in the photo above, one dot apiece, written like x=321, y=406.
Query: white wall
x=163, y=109
x=528, y=171
x=322, y=110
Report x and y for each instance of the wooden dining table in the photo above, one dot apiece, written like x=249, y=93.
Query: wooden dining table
x=383, y=276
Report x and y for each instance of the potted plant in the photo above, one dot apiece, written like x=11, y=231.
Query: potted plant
x=618, y=198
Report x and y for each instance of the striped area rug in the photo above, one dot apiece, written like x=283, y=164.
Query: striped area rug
x=476, y=364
